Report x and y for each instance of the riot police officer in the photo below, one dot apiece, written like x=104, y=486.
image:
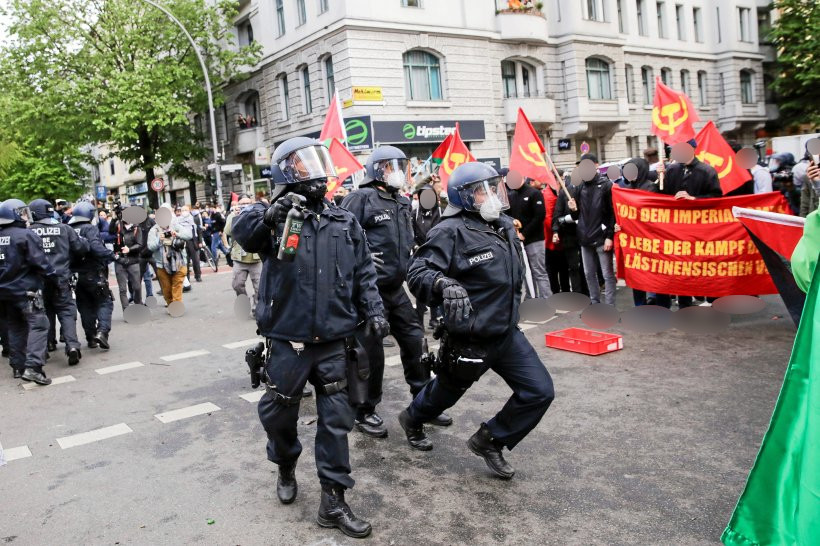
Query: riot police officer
x=23, y=265
x=386, y=215
x=60, y=243
x=472, y=264
x=307, y=308
x=95, y=302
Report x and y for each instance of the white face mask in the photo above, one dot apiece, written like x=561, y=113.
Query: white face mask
x=490, y=209
x=395, y=180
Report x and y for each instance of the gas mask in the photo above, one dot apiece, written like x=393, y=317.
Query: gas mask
x=491, y=208
x=313, y=190
x=395, y=180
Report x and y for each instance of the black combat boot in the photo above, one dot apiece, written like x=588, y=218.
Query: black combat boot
x=443, y=420
x=102, y=340
x=92, y=343
x=482, y=444
x=371, y=424
x=37, y=375
x=74, y=356
x=415, y=433
x=334, y=512
x=286, y=486
x=52, y=346
x=18, y=373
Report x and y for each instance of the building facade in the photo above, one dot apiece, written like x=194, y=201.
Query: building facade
x=408, y=70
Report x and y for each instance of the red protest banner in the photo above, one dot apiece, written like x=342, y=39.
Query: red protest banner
x=690, y=248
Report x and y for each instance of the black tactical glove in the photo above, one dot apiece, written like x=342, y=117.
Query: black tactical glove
x=456, y=301
x=377, y=327
x=377, y=260
x=277, y=213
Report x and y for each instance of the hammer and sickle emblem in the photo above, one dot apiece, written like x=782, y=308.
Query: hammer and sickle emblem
x=668, y=111
x=717, y=162
x=457, y=159
x=535, y=158
x=341, y=170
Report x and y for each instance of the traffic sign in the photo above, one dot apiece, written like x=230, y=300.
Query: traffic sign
x=157, y=184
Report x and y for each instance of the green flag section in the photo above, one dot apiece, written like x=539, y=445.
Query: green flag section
x=781, y=501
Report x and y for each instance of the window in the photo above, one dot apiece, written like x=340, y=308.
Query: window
x=640, y=6
x=307, y=101
x=250, y=107
x=646, y=81
x=422, y=76
x=594, y=10
x=764, y=25
x=684, y=81
x=330, y=79
x=280, y=17
x=717, y=21
x=244, y=31
x=621, y=25
x=768, y=89
x=680, y=22
x=300, y=11
x=701, y=88
x=746, y=88
x=666, y=76
x=411, y=3
x=630, y=92
x=598, y=81
x=744, y=24
x=525, y=82
x=629, y=146
x=111, y=164
x=661, y=7
x=697, y=20
x=508, y=78
x=721, y=89
x=324, y=6
x=284, y=94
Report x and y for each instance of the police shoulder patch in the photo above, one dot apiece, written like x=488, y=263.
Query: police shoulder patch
x=478, y=258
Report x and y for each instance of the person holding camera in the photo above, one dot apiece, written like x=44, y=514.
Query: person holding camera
x=127, y=247
x=168, y=245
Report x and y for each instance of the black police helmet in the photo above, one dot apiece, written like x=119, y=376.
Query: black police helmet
x=41, y=209
x=464, y=175
x=82, y=212
x=373, y=168
x=282, y=171
x=10, y=211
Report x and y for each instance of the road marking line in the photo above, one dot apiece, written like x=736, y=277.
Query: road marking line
x=243, y=343
x=94, y=436
x=185, y=413
x=14, y=453
x=181, y=356
x=119, y=368
x=54, y=381
x=252, y=397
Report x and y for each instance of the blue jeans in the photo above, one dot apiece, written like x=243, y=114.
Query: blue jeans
x=216, y=244
x=591, y=256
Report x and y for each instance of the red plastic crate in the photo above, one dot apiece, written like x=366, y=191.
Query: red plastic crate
x=588, y=342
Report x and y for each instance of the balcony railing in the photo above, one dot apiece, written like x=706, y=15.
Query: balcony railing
x=521, y=21
x=248, y=140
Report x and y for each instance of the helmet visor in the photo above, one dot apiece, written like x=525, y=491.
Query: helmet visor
x=309, y=164
x=389, y=166
x=475, y=194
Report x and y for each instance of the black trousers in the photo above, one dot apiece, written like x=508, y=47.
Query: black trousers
x=288, y=371
x=518, y=364
x=27, y=330
x=409, y=333
x=60, y=306
x=558, y=271
x=577, y=279
x=193, y=258
x=94, y=304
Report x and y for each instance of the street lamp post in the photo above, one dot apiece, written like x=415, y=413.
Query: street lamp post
x=214, y=143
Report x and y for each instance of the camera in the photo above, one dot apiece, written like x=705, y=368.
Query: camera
x=178, y=244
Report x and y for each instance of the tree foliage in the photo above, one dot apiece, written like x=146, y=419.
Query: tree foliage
x=795, y=35
x=117, y=72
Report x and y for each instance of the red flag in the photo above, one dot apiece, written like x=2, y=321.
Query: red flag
x=334, y=126
x=234, y=197
x=345, y=164
x=673, y=115
x=714, y=150
x=527, y=156
x=457, y=154
x=441, y=151
x=781, y=232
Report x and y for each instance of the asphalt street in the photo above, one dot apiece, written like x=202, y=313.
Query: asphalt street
x=648, y=445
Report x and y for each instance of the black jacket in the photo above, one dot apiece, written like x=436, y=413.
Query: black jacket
x=60, y=244
x=387, y=219
x=330, y=286
x=23, y=263
x=98, y=256
x=567, y=231
x=483, y=258
x=423, y=222
x=527, y=206
x=645, y=180
x=595, y=214
x=131, y=238
x=696, y=178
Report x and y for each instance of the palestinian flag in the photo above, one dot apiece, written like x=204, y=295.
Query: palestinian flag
x=776, y=236
x=441, y=151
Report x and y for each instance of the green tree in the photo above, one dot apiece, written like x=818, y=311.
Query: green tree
x=119, y=72
x=795, y=36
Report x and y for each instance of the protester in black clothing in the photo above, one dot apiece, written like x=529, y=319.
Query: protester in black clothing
x=527, y=206
x=426, y=215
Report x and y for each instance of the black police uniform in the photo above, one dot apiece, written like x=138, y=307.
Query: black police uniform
x=387, y=218
x=95, y=302
x=306, y=310
x=60, y=243
x=23, y=264
x=485, y=259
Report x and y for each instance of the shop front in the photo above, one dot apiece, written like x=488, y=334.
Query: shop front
x=419, y=138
